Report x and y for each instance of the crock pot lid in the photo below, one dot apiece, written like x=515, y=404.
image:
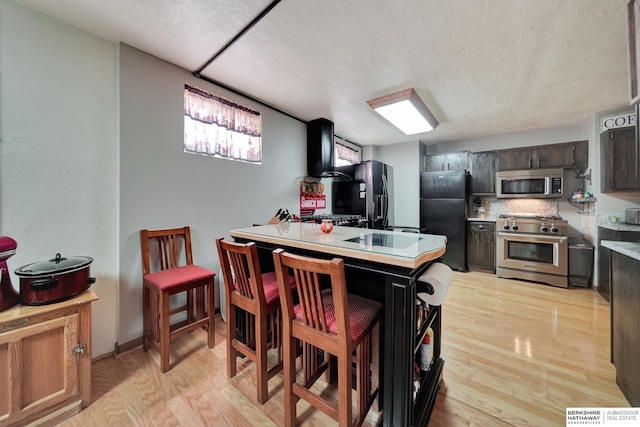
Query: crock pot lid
x=58, y=264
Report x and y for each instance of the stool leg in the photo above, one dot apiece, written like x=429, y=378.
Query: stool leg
x=290, y=400
x=211, y=332
x=261, y=356
x=375, y=364
x=231, y=336
x=165, y=332
x=344, y=390
x=146, y=320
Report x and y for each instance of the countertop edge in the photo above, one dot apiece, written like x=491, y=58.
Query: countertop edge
x=619, y=226
x=630, y=249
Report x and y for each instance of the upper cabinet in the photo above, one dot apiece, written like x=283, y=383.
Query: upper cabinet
x=566, y=155
x=447, y=161
x=617, y=161
x=483, y=172
x=518, y=158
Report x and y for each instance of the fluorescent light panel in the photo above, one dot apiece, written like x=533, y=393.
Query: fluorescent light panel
x=406, y=111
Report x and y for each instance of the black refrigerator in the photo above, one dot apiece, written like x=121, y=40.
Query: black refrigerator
x=365, y=189
x=443, y=210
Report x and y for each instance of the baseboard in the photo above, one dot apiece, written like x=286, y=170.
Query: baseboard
x=121, y=349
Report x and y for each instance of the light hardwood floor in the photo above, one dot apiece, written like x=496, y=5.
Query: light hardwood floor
x=516, y=354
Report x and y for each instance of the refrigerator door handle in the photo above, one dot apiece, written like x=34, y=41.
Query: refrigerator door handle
x=385, y=206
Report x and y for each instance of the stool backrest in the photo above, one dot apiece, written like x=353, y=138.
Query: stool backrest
x=170, y=243
x=241, y=269
x=308, y=273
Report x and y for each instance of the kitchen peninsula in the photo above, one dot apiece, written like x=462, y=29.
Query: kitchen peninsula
x=383, y=266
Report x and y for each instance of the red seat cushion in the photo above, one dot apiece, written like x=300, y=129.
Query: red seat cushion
x=166, y=279
x=270, y=286
x=361, y=311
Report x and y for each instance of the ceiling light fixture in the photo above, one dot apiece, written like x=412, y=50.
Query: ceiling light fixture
x=406, y=111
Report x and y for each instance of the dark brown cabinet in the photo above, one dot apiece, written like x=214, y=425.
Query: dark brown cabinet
x=625, y=318
x=617, y=161
x=481, y=245
x=604, y=256
x=518, y=158
x=447, y=161
x=483, y=172
x=567, y=155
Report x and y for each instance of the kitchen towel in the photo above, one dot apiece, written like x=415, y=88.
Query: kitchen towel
x=439, y=277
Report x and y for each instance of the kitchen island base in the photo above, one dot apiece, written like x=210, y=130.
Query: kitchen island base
x=396, y=287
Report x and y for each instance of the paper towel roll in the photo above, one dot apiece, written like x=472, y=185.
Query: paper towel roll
x=439, y=276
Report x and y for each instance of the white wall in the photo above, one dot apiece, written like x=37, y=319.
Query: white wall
x=161, y=186
x=405, y=159
x=58, y=151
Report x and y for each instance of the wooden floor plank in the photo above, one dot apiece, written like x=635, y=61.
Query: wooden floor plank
x=517, y=354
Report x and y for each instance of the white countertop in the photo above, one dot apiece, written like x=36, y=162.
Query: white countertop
x=481, y=219
x=630, y=249
x=605, y=222
x=619, y=226
x=400, y=249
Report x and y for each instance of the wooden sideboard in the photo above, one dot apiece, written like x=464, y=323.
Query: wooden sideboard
x=45, y=361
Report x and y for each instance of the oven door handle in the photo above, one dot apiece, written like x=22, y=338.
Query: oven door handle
x=531, y=237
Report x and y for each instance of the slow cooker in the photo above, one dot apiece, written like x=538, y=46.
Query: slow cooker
x=55, y=280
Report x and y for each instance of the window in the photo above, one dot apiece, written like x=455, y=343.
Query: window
x=217, y=127
x=346, y=153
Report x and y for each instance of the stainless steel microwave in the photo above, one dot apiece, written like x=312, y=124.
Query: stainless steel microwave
x=537, y=183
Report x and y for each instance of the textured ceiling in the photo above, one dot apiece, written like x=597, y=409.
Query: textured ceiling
x=485, y=67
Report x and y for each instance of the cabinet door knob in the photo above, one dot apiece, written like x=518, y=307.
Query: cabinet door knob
x=529, y=161
x=481, y=227
x=538, y=161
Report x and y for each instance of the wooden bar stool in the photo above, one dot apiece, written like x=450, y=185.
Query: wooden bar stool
x=334, y=321
x=170, y=278
x=257, y=294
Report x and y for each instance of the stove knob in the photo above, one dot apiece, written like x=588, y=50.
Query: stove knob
x=544, y=229
x=505, y=226
x=554, y=229
x=514, y=226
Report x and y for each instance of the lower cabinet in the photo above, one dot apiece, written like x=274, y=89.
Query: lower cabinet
x=625, y=318
x=604, y=256
x=45, y=361
x=481, y=245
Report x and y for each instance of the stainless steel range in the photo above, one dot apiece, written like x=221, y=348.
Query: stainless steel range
x=532, y=247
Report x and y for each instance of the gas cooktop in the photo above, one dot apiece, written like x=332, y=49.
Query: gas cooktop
x=537, y=217
x=533, y=224
x=338, y=219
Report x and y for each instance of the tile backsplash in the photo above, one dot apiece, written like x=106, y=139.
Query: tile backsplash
x=495, y=207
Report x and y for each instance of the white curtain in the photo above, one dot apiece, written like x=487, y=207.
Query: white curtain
x=218, y=127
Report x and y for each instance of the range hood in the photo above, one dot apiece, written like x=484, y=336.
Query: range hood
x=320, y=149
